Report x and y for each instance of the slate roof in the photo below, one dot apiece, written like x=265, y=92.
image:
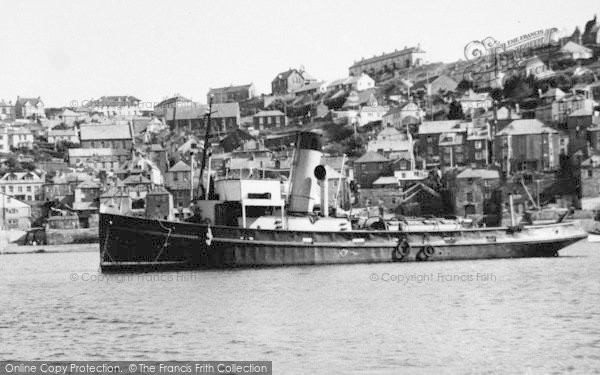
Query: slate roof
x=269, y=113
x=359, y=98
x=286, y=74
x=527, y=126
x=386, y=180
x=113, y=101
x=180, y=166
x=33, y=101
x=105, y=131
x=371, y=157
x=554, y=93
x=386, y=56
x=573, y=47
x=436, y=127
x=486, y=174
x=582, y=112
x=158, y=190
x=310, y=86
x=221, y=90
x=136, y=179
x=593, y=161
x=170, y=101
x=197, y=110
x=88, y=184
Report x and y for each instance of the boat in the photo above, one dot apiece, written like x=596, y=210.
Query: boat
x=594, y=236
x=249, y=224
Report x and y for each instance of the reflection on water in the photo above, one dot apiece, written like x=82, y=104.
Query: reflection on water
x=539, y=315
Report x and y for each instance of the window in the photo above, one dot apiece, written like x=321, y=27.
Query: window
x=469, y=196
x=10, y=189
x=590, y=173
x=19, y=189
x=478, y=145
x=29, y=189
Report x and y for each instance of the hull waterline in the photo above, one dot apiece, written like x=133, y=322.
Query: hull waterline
x=138, y=244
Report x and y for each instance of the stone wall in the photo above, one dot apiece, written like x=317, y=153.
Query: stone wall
x=66, y=236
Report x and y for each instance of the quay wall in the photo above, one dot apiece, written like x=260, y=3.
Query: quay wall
x=68, y=236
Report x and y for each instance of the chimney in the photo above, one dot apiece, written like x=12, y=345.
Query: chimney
x=304, y=185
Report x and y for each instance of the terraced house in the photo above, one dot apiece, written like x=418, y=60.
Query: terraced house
x=24, y=186
x=231, y=94
x=126, y=105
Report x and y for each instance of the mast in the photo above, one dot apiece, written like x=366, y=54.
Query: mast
x=174, y=117
x=205, y=149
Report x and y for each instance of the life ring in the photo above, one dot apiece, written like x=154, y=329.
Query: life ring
x=429, y=251
x=397, y=255
x=404, y=247
x=401, y=250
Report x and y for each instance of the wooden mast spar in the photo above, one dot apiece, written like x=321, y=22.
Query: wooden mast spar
x=205, y=153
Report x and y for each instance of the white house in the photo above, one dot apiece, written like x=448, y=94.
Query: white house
x=399, y=117
x=371, y=114
x=20, y=137
x=356, y=83
x=14, y=213
x=24, y=186
x=4, y=142
x=577, y=51
x=63, y=135
x=472, y=100
x=393, y=144
x=109, y=106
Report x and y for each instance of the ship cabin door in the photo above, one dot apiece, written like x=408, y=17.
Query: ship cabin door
x=470, y=209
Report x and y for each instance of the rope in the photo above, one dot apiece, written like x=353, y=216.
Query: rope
x=166, y=243
x=105, y=247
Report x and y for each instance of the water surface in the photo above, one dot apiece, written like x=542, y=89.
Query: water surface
x=537, y=315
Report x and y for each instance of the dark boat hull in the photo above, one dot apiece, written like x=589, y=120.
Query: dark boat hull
x=138, y=244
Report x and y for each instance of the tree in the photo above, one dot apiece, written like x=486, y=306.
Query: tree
x=497, y=95
x=12, y=164
x=338, y=132
x=28, y=166
x=464, y=85
x=455, y=112
x=519, y=87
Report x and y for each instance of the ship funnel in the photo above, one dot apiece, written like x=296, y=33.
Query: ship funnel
x=304, y=190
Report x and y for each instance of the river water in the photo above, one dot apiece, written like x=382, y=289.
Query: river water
x=527, y=316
